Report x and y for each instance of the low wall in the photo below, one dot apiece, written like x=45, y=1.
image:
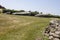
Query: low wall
x=53, y=30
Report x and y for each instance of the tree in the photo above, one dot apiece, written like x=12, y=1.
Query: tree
x=22, y=11
x=41, y=12
x=34, y=13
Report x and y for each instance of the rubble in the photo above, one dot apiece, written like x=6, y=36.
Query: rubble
x=53, y=30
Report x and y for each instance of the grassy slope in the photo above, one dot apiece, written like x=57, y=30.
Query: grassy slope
x=22, y=27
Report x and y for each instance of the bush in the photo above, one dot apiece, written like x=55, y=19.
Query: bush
x=50, y=16
x=34, y=13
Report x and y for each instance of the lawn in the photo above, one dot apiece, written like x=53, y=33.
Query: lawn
x=14, y=27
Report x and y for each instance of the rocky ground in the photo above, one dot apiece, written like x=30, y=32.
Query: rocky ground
x=53, y=30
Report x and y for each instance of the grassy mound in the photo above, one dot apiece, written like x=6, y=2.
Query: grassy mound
x=13, y=27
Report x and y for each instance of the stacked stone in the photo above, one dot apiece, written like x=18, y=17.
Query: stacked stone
x=53, y=30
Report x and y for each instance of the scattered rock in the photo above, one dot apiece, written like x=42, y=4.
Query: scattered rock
x=53, y=30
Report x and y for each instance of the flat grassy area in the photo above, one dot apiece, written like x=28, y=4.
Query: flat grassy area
x=13, y=27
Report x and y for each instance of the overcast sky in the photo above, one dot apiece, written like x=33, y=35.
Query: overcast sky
x=49, y=6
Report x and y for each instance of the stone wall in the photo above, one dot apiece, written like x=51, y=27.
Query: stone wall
x=53, y=30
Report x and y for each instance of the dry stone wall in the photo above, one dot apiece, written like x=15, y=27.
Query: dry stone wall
x=53, y=30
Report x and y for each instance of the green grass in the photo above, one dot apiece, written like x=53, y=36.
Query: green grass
x=13, y=27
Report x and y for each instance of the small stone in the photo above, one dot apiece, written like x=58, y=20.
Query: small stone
x=56, y=23
x=55, y=38
x=52, y=30
x=57, y=32
x=51, y=34
x=55, y=35
x=50, y=37
x=58, y=29
x=52, y=22
x=52, y=26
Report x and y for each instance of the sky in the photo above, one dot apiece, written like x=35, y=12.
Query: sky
x=46, y=6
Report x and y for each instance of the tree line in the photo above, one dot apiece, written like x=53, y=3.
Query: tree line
x=32, y=13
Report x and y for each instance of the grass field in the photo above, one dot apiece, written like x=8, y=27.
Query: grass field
x=13, y=27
